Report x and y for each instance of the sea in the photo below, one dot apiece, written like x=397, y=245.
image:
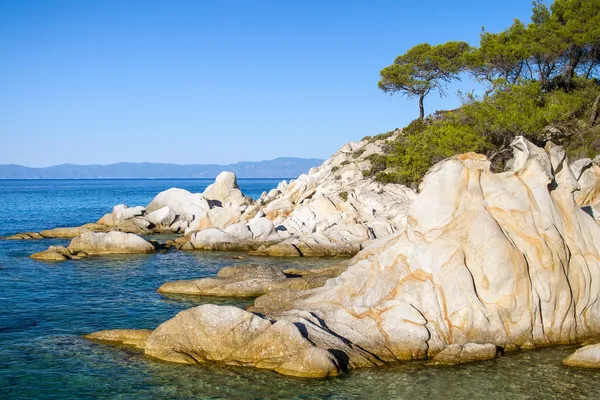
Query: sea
x=45, y=308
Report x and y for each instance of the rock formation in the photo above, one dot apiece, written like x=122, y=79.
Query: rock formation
x=333, y=210
x=462, y=354
x=96, y=243
x=253, y=280
x=585, y=357
x=507, y=259
x=587, y=173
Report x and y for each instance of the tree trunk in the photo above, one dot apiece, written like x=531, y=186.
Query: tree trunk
x=421, y=108
x=490, y=90
x=595, y=111
x=573, y=62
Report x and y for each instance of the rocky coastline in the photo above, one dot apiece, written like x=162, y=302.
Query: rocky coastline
x=333, y=210
x=474, y=265
x=479, y=264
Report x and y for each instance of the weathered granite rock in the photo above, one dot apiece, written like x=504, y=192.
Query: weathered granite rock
x=225, y=191
x=333, y=210
x=25, y=236
x=181, y=201
x=94, y=243
x=132, y=337
x=110, y=243
x=587, y=173
x=469, y=352
x=53, y=253
x=162, y=217
x=236, y=236
x=251, y=281
x=210, y=333
x=586, y=357
x=64, y=233
x=507, y=259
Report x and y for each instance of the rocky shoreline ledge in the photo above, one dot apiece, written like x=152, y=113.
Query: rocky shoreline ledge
x=479, y=263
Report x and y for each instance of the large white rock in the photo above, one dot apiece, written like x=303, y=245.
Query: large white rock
x=109, y=243
x=162, y=217
x=225, y=191
x=586, y=357
x=189, y=205
x=121, y=212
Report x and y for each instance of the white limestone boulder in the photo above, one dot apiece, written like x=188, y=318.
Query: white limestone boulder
x=109, y=243
x=162, y=217
x=182, y=202
x=585, y=357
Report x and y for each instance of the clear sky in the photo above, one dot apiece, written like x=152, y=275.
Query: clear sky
x=213, y=81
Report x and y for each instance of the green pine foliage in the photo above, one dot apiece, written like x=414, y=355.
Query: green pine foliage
x=543, y=83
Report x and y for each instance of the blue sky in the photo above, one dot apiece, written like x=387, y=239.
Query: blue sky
x=97, y=82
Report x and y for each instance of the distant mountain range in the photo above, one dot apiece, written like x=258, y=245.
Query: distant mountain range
x=283, y=167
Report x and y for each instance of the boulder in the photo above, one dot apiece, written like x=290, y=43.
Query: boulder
x=586, y=357
x=587, y=173
x=53, y=253
x=225, y=191
x=248, y=281
x=470, y=352
x=110, y=243
x=188, y=205
x=121, y=212
x=162, y=217
x=64, y=233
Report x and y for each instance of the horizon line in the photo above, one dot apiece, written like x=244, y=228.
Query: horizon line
x=162, y=163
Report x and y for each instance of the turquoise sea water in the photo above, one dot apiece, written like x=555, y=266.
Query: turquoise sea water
x=46, y=307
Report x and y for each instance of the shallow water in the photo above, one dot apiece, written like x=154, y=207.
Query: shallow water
x=46, y=307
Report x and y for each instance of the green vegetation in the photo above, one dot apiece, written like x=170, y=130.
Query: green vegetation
x=424, y=68
x=542, y=83
x=382, y=136
x=358, y=153
x=344, y=196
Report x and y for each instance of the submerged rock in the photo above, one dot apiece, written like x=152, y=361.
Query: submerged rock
x=132, y=337
x=505, y=259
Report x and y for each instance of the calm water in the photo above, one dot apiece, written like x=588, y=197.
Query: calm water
x=45, y=308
